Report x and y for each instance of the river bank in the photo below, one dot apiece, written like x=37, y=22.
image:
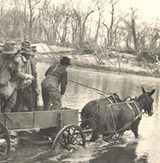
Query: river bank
x=106, y=60
x=124, y=63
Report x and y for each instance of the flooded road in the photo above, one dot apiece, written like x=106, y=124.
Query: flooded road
x=145, y=149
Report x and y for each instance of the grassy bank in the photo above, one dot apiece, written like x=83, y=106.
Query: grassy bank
x=127, y=64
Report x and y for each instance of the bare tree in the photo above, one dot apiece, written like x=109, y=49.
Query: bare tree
x=110, y=27
x=133, y=28
x=80, y=23
x=32, y=5
x=100, y=7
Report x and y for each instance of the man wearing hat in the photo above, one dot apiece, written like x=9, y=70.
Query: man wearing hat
x=27, y=95
x=56, y=76
x=6, y=58
x=33, y=63
x=13, y=67
x=25, y=44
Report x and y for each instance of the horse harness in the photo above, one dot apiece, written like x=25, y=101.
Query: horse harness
x=127, y=103
x=146, y=95
x=134, y=116
x=98, y=105
x=131, y=107
x=109, y=100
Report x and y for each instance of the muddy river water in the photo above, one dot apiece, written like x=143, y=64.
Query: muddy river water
x=145, y=149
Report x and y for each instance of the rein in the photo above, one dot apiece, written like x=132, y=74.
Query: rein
x=139, y=115
x=87, y=86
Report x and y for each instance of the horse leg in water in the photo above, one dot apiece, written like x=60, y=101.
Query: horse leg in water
x=94, y=136
x=134, y=128
x=94, y=132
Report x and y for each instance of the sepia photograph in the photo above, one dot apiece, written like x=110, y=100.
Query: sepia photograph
x=79, y=81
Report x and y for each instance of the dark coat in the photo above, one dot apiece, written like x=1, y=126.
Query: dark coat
x=56, y=75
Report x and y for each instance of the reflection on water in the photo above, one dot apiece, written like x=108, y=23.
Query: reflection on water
x=143, y=150
x=117, y=155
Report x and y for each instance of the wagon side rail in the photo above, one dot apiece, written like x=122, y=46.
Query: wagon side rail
x=39, y=119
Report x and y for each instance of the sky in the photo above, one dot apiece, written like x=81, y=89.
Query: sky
x=148, y=10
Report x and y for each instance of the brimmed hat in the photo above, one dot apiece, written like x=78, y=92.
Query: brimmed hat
x=8, y=48
x=25, y=44
x=65, y=61
x=27, y=51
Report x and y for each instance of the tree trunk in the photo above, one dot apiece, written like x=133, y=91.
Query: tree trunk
x=134, y=35
x=30, y=20
x=64, y=35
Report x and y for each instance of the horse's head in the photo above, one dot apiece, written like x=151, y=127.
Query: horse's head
x=146, y=101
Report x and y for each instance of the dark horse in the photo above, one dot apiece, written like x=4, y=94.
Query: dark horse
x=91, y=107
x=118, y=117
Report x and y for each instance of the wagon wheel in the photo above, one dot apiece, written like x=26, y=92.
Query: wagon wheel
x=69, y=136
x=4, y=140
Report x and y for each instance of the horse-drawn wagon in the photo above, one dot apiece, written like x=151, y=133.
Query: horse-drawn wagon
x=65, y=122
x=121, y=115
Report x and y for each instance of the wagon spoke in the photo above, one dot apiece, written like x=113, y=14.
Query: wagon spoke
x=71, y=132
x=62, y=144
x=64, y=138
x=69, y=135
x=4, y=140
x=61, y=141
x=72, y=135
x=75, y=139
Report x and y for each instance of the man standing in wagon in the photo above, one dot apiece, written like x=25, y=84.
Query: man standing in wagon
x=55, y=75
x=27, y=96
x=13, y=74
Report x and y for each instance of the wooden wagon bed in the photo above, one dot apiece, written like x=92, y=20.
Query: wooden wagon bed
x=38, y=119
x=66, y=121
